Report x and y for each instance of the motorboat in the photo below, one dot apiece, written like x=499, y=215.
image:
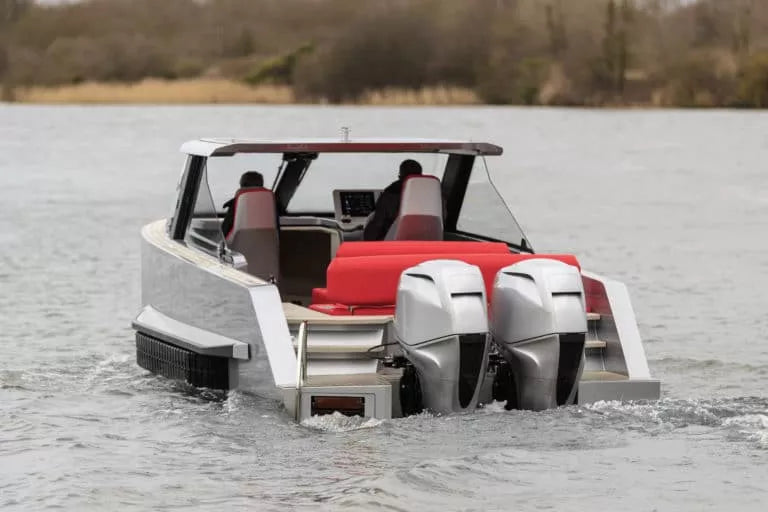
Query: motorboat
x=451, y=310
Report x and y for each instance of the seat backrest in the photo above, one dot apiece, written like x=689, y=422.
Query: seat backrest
x=421, y=210
x=373, y=280
x=254, y=232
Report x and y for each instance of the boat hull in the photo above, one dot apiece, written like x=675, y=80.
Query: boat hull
x=193, y=292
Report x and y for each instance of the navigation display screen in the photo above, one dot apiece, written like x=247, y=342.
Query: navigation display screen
x=357, y=203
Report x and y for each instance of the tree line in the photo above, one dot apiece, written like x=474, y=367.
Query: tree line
x=551, y=52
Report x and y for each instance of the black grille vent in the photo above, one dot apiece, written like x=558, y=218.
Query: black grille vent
x=178, y=363
x=471, y=353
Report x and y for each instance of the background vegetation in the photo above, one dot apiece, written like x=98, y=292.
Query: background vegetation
x=553, y=52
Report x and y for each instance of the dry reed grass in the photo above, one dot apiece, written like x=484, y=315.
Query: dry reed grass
x=214, y=90
x=203, y=90
x=440, y=95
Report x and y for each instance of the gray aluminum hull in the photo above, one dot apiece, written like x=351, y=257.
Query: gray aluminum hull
x=197, y=303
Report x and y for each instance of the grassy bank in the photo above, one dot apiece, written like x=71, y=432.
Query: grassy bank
x=214, y=90
x=158, y=91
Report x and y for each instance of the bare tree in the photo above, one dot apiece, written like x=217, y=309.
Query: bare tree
x=10, y=11
x=556, y=28
x=742, y=36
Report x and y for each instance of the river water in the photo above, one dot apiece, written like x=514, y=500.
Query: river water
x=674, y=203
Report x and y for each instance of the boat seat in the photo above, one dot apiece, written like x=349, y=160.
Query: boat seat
x=421, y=210
x=368, y=284
x=254, y=232
x=320, y=296
x=401, y=247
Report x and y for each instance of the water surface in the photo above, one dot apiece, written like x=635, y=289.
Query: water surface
x=674, y=203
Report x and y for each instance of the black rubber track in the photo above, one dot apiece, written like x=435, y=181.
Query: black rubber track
x=178, y=363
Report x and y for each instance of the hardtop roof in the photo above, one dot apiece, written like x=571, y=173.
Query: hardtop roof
x=228, y=147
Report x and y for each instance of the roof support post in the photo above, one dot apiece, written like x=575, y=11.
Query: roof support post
x=455, y=180
x=188, y=188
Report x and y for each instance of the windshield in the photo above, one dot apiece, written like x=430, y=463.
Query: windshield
x=485, y=213
x=204, y=231
x=354, y=170
x=224, y=173
x=327, y=172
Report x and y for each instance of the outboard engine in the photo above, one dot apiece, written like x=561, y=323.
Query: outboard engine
x=441, y=323
x=539, y=325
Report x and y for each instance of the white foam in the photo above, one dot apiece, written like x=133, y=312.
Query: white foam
x=494, y=407
x=753, y=426
x=108, y=368
x=233, y=402
x=337, y=422
x=759, y=421
x=643, y=411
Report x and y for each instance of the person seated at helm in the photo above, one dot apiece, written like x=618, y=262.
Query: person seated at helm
x=388, y=205
x=249, y=179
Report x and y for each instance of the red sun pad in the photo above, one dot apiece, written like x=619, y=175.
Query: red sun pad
x=372, y=280
x=406, y=247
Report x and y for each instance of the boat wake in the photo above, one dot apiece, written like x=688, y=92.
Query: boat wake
x=737, y=419
x=752, y=426
x=337, y=422
x=743, y=418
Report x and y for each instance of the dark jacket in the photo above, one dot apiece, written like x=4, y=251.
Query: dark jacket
x=387, y=208
x=229, y=217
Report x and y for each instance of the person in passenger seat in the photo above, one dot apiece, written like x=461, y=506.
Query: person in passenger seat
x=249, y=179
x=388, y=204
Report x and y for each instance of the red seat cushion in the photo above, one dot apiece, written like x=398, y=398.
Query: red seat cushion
x=320, y=296
x=373, y=280
x=373, y=310
x=331, y=309
x=396, y=247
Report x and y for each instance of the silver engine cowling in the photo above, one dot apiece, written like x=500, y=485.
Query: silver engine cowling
x=539, y=325
x=441, y=323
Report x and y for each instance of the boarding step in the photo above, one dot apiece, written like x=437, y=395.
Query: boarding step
x=368, y=395
x=339, y=349
x=602, y=376
x=595, y=344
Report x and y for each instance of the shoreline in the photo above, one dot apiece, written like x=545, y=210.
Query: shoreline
x=221, y=91
x=218, y=91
